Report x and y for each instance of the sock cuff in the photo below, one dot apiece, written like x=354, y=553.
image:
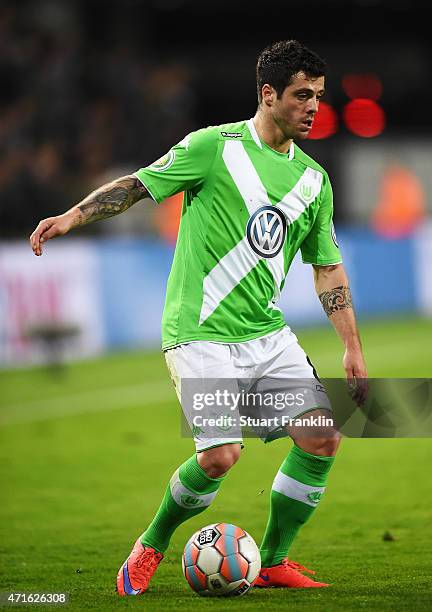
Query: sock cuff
x=195, y=478
x=307, y=468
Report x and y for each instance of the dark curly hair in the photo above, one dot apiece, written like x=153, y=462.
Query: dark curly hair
x=280, y=61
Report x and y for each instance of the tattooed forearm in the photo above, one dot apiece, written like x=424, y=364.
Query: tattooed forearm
x=111, y=199
x=338, y=298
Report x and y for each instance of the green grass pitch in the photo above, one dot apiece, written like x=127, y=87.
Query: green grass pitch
x=85, y=458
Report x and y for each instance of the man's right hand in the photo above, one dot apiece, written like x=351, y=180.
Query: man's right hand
x=109, y=200
x=51, y=228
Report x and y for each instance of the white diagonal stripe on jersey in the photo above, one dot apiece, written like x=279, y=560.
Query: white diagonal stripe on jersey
x=254, y=133
x=294, y=489
x=293, y=205
x=236, y=264
x=226, y=275
x=244, y=175
x=277, y=268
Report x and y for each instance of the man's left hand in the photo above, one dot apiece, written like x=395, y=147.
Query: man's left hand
x=356, y=373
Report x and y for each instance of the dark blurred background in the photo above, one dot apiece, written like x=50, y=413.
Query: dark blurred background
x=91, y=90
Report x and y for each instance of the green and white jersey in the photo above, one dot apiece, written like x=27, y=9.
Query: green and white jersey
x=247, y=210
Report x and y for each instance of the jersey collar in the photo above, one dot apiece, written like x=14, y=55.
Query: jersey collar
x=254, y=134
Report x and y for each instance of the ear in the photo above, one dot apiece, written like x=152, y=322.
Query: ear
x=268, y=94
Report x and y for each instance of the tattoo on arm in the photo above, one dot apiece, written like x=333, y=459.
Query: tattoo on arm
x=338, y=298
x=111, y=199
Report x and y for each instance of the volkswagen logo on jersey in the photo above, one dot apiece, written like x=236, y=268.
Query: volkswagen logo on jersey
x=266, y=231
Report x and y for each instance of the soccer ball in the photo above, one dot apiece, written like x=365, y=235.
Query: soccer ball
x=221, y=560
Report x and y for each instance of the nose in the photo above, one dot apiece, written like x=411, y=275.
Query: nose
x=313, y=106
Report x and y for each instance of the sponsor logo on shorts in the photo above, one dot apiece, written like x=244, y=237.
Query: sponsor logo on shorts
x=196, y=430
x=225, y=424
x=266, y=231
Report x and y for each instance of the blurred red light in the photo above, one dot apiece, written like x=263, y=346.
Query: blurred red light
x=362, y=86
x=364, y=117
x=325, y=123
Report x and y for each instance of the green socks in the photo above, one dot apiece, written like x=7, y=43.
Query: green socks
x=189, y=493
x=296, y=491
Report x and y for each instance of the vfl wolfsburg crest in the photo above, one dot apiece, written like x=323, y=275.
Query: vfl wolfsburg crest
x=307, y=192
x=164, y=162
x=266, y=230
x=196, y=430
x=315, y=496
x=189, y=501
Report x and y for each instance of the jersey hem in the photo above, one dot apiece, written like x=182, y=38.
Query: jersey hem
x=223, y=340
x=157, y=200
x=327, y=262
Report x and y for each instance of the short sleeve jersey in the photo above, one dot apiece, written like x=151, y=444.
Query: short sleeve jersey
x=247, y=210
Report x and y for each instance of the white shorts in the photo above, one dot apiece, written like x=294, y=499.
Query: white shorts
x=260, y=384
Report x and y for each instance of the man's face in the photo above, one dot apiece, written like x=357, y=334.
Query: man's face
x=295, y=111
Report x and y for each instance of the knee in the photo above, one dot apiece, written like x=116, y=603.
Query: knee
x=217, y=461
x=326, y=446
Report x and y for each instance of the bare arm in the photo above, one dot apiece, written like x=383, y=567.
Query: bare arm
x=109, y=200
x=332, y=287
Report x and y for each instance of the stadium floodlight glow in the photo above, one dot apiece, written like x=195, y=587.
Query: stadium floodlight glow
x=325, y=123
x=364, y=117
x=362, y=86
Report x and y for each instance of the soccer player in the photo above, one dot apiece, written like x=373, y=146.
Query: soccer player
x=252, y=199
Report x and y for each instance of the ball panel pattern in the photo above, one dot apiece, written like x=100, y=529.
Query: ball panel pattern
x=221, y=560
x=216, y=584
x=226, y=545
x=232, y=530
x=248, y=548
x=190, y=554
x=209, y=560
x=196, y=578
x=234, y=567
x=253, y=571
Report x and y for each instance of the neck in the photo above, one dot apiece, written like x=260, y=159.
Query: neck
x=269, y=131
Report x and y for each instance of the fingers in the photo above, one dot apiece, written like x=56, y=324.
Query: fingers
x=360, y=391
x=43, y=232
x=357, y=387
